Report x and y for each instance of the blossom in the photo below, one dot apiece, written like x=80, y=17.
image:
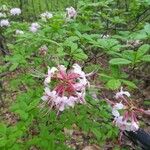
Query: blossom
x=46, y=15
x=48, y=94
x=4, y=23
x=126, y=124
x=122, y=93
x=116, y=107
x=34, y=27
x=49, y=75
x=15, y=11
x=71, y=13
x=19, y=32
x=67, y=87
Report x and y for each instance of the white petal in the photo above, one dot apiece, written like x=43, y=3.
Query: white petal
x=119, y=106
x=115, y=112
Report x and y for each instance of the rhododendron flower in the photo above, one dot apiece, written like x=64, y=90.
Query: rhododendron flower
x=15, y=11
x=122, y=93
x=34, y=27
x=126, y=125
x=71, y=13
x=46, y=15
x=19, y=32
x=67, y=87
x=4, y=23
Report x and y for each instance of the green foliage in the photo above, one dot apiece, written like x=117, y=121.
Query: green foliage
x=84, y=41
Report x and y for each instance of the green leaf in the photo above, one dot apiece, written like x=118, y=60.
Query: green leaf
x=3, y=128
x=97, y=133
x=129, y=83
x=113, y=84
x=13, y=67
x=146, y=58
x=142, y=50
x=119, y=61
x=147, y=28
x=22, y=114
x=129, y=54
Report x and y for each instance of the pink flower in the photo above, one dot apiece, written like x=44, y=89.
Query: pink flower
x=68, y=87
x=71, y=13
x=4, y=23
x=126, y=124
x=34, y=27
x=15, y=11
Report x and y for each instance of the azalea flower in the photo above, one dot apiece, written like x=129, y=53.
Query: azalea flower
x=34, y=27
x=46, y=15
x=15, y=11
x=122, y=93
x=4, y=23
x=35, y=24
x=126, y=125
x=67, y=87
x=71, y=13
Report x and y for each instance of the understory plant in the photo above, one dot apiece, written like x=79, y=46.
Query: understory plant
x=59, y=67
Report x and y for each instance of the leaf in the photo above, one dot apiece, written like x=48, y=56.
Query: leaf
x=142, y=50
x=146, y=58
x=3, y=128
x=129, y=83
x=13, y=67
x=129, y=54
x=119, y=61
x=113, y=84
x=97, y=133
x=22, y=114
x=147, y=28
x=3, y=141
x=147, y=102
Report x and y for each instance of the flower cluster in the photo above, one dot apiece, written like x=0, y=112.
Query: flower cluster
x=4, y=23
x=34, y=27
x=71, y=13
x=125, y=112
x=46, y=15
x=15, y=11
x=68, y=87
